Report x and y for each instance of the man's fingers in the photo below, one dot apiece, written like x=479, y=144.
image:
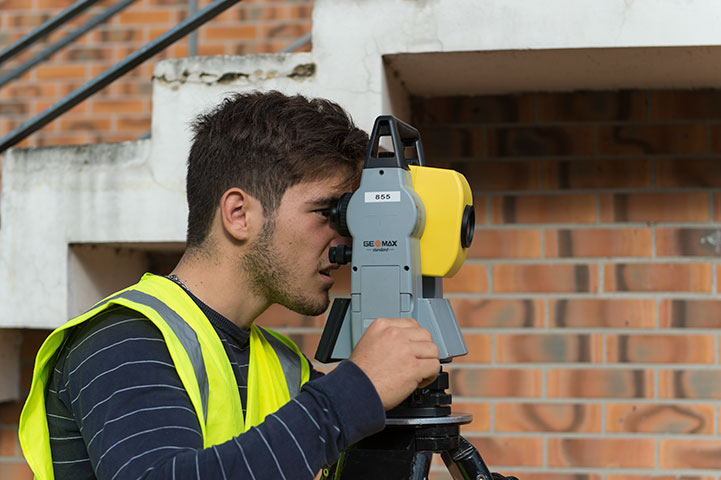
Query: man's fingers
x=425, y=350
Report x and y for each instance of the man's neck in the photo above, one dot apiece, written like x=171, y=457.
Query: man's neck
x=222, y=287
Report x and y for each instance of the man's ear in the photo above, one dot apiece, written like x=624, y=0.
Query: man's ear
x=240, y=213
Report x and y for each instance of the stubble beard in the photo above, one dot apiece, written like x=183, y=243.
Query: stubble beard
x=271, y=278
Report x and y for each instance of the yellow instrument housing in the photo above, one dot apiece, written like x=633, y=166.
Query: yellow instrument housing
x=445, y=194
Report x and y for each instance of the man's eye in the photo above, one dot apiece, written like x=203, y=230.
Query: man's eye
x=325, y=212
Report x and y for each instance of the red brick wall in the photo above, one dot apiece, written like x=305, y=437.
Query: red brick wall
x=590, y=297
x=121, y=111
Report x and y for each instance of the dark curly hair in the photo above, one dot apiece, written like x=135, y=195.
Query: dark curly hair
x=265, y=142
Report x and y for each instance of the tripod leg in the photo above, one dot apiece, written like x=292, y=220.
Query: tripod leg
x=465, y=463
x=421, y=466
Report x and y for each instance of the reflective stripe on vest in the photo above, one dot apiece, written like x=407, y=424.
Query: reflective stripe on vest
x=185, y=333
x=276, y=369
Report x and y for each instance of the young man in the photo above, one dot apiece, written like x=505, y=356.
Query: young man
x=170, y=378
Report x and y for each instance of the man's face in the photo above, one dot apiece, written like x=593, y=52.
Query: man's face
x=288, y=262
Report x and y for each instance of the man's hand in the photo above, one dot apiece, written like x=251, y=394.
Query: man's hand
x=398, y=356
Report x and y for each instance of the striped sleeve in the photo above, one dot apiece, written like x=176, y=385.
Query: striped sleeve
x=117, y=410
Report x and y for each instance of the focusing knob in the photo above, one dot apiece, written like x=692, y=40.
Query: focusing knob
x=341, y=254
x=338, y=215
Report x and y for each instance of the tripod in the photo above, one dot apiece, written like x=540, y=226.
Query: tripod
x=419, y=427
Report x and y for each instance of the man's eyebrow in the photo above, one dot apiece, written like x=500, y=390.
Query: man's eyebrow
x=324, y=201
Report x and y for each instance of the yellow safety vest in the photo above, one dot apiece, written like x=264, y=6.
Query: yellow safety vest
x=276, y=371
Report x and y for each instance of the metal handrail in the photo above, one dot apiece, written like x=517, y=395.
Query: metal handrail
x=119, y=69
x=71, y=37
x=44, y=29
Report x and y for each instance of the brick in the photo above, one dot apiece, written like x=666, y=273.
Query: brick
x=557, y=476
x=32, y=90
x=517, y=451
x=122, y=35
x=499, y=244
x=498, y=382
x=480, y=208
x=472, y=109
x=236, y=32
x=591, y=106
x=481, y=416
x=135, y=123
x=594, y=174
x=479, y=349
x=82, y=54
x=679, y=313
x=657, y=138
x=688, y=173
x=599, y=383
x=658, y=277
x=500, y=175
x=660, y=348
x=10, y=412
x=32, y=340
x=599, y=242
x=512, y=209
x=15, y=470
x=22, y=5
x=655, y=207
x=717, y=207
x=715, y=141
x=207, y=50
x=548, y=417
x=602, y=313
x=118, y=106
x=514, y=278
x=688, y=242
x=601, y=453
x=86, y=124
x=695, y=454
x=9, y=446
x=291, y=30
x=540, y=141
x=55, y=72
x=444, y=142
x=684, y=104
x=258, y=12
x=471, y=278
x=11, y=107
x=696, y=384
x=498, y=313
x=548, y=348
x=67, y=139
x=658, y=477
x=659, y=418
x=140, y=18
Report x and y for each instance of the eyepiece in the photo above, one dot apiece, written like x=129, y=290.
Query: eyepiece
x=338, y=214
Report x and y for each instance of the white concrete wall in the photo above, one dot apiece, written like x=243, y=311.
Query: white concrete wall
x=134, y=192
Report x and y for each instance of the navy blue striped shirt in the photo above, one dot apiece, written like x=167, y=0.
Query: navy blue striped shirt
x=116, y=409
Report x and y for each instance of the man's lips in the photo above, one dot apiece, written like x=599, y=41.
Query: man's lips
x=326, y=271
